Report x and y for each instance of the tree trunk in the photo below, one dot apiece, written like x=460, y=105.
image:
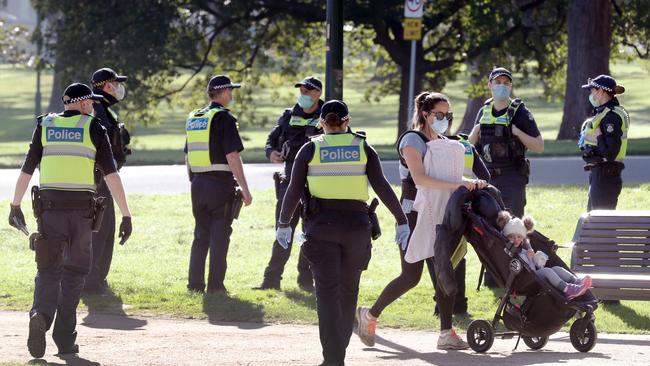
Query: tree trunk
x=405, y=120
x=56, y=105
x=589, y=23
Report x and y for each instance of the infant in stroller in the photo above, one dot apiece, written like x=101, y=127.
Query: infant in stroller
x=517, y=230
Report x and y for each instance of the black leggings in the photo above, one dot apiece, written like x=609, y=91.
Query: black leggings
x=409, y=278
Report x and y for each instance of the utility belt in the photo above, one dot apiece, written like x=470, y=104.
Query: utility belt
x=523, y=168
x=41, y=204
x=316, y=205
x=608, y=168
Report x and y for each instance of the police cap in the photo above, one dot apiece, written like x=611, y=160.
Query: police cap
x=605, y=82
x=221, y=82
x=337, y=107
x=500, y=71
x=76, y=92
x=104, y=75
x=311, y=83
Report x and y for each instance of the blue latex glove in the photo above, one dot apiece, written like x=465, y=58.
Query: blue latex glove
x=402, y=235
x=283, y=236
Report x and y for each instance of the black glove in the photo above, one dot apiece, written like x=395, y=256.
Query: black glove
x=17, y=219
x=125, y=229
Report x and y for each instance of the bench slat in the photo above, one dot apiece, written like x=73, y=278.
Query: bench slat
x=615, y=262
x=617, y=255
x=609, y=269
x=617, y=225
x=620, y=219
x=616, y=294
x=607, y=247
x=618, y=284
x=587, y=233
x=614, y=240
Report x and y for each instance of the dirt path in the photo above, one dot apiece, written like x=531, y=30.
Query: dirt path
x=117, y=340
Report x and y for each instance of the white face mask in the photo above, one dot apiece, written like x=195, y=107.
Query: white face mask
x=120, y=92
x=440, y=125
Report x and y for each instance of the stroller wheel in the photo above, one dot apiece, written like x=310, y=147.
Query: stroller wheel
x=583, y=340
x=480, y=335
x=535, y=342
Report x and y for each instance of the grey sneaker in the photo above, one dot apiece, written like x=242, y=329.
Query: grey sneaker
x=367, y=326
x=451, y=341
x=36, y=340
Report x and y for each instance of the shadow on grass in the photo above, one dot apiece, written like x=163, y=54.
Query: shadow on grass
x=108, y=303
x=224, y=310
x=628, y=315
x=307, y=299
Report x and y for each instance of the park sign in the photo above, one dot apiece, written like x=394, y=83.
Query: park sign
x=413, y=10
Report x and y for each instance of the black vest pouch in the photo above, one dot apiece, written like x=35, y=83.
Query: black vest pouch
x=375, y=228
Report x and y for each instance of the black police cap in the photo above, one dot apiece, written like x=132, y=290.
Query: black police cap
x=337, y=107
x=500, y=71
x=605, y=82
x=76, y=92
x=311, y=83
x=105, y=75
x=221, y=82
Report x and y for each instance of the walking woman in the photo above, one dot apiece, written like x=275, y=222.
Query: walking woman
x=431, y=119
x=336, y=168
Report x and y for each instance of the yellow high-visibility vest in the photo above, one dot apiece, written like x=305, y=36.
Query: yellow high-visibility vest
x=68, y=160
x=197, y=128
x=591, y=126
x=338, y=168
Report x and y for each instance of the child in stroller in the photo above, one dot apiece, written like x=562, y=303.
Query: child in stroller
x=545, y=309
x=517, y=230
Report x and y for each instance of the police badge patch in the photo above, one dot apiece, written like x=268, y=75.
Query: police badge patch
x=609, y=128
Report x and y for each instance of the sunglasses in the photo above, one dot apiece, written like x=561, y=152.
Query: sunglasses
x=440, y=115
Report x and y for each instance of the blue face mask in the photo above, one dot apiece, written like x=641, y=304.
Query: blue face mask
x=593, y=102
x=440, y=125
x=305, y=101
x=500, y=92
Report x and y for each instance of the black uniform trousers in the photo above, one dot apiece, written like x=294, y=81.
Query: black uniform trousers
x=63, y=257
x=212, y=195
x=604, y=189
x=338, y=247
x=512, y=185
x=279, y=255
x=103, y=242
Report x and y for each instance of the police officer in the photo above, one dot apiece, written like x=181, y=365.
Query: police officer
x=293, y=129
x=503, y=131
x=603, y=142
x=68, y=146
x=215, y=169
x=336, y=168
x=110, y=86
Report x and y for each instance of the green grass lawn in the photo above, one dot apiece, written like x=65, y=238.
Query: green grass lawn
x=150, y=272
x=163, y=142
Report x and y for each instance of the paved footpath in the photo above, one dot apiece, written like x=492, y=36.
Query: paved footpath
x=117, y=340
x=169, y=179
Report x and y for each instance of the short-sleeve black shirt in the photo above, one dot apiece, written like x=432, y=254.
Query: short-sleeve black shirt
x=103, y=158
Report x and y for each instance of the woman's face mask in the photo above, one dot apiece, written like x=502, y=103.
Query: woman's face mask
x=593, y=99
x=305, y=101
x=440, y=125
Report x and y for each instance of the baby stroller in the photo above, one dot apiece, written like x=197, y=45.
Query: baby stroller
x=545, y=309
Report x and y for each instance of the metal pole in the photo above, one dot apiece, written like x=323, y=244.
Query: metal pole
x=411, y=81
x=334, y=54
x=39, y=46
